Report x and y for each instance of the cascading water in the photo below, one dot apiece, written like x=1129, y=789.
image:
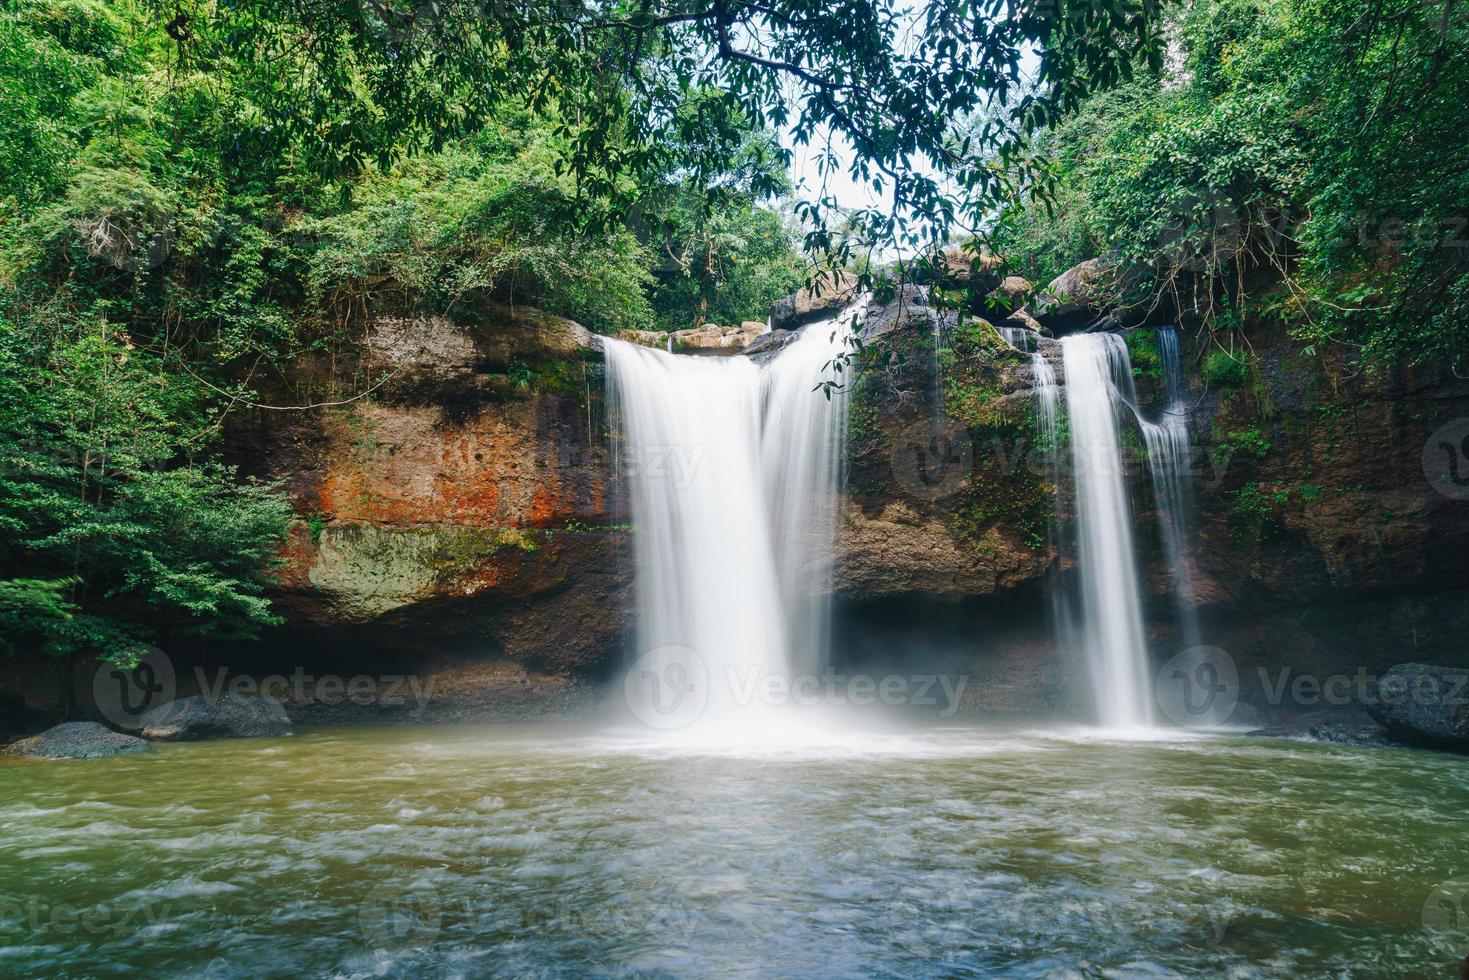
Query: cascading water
x=1019, y=338
x=1048, y=438
x=690, y=452
x=1169, y=458
x=734, y=472
x=804, y=441
x=1111, y=629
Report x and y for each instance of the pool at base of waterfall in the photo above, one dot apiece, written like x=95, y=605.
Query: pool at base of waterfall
x=534, y=850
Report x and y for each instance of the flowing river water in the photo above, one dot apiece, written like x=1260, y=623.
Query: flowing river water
x=541, y=851
x=740, y=839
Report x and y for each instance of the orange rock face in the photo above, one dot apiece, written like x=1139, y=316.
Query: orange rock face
x=468, y=495
x=523, y=464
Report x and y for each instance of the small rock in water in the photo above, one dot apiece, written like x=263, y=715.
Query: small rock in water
x=1349, y=734
x=231, y=717
x=78, y=740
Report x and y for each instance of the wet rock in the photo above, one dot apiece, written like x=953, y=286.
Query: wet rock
x=830, y=295
x=1424, y=705
x=200, y=717
x=767, y=345
x=900, y=550
x=1022, y=318
x=78, y=740
x=473, y=503
x=1244, y=715
x=656, y=339
x=908, y=308
x=1338, y=734
x=473, y=692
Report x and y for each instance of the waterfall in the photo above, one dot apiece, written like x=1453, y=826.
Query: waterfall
x=1048, y=441
x=733, y=473
x=1169, y=457
x=805, y=437
x=1098, y=375
x=1020, y=338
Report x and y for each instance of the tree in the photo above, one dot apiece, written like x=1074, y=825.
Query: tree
x=126, y=540
x=349, y=81
x=1300, y=161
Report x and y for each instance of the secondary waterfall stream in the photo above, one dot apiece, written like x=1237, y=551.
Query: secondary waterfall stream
x=733, y=472
x=1169, y=458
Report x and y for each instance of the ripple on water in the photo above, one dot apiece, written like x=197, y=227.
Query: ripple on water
x=956, y=852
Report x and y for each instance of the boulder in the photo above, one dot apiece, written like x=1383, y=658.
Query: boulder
x=959, y=268
x=78, y=740
x=965, y=268
x=830, y=295
x=767, y=345
x=711, y=338
x=436, y=349
x=1424, y=705
x=1339, y=734
x=644, y=338
x=201, y=717
x=908, y=308
x=1022, y=318
x=1077, y=297
x=1009, y=295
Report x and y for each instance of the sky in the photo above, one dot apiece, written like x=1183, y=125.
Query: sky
x=808, y=181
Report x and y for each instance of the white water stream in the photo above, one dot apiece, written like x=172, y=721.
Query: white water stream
x=1111, y=628
x=733, y=471
x=1169, y=459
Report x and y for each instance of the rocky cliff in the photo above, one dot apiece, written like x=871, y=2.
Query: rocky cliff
x=1321, y=545
x=464, y=504
x=462, y=511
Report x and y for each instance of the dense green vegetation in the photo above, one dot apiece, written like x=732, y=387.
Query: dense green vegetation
x=1298, y=159
x=162, y=258
x=195, y=197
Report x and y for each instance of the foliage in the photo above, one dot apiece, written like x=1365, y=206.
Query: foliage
x=1142, y=347
x=722, y=267
x=197, y=197
x=1256, y=513
x=1223, y=369
x=1246, y=441
x=103, y=502
x=1305, y=141
x=491, y=219
x=660, y=86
